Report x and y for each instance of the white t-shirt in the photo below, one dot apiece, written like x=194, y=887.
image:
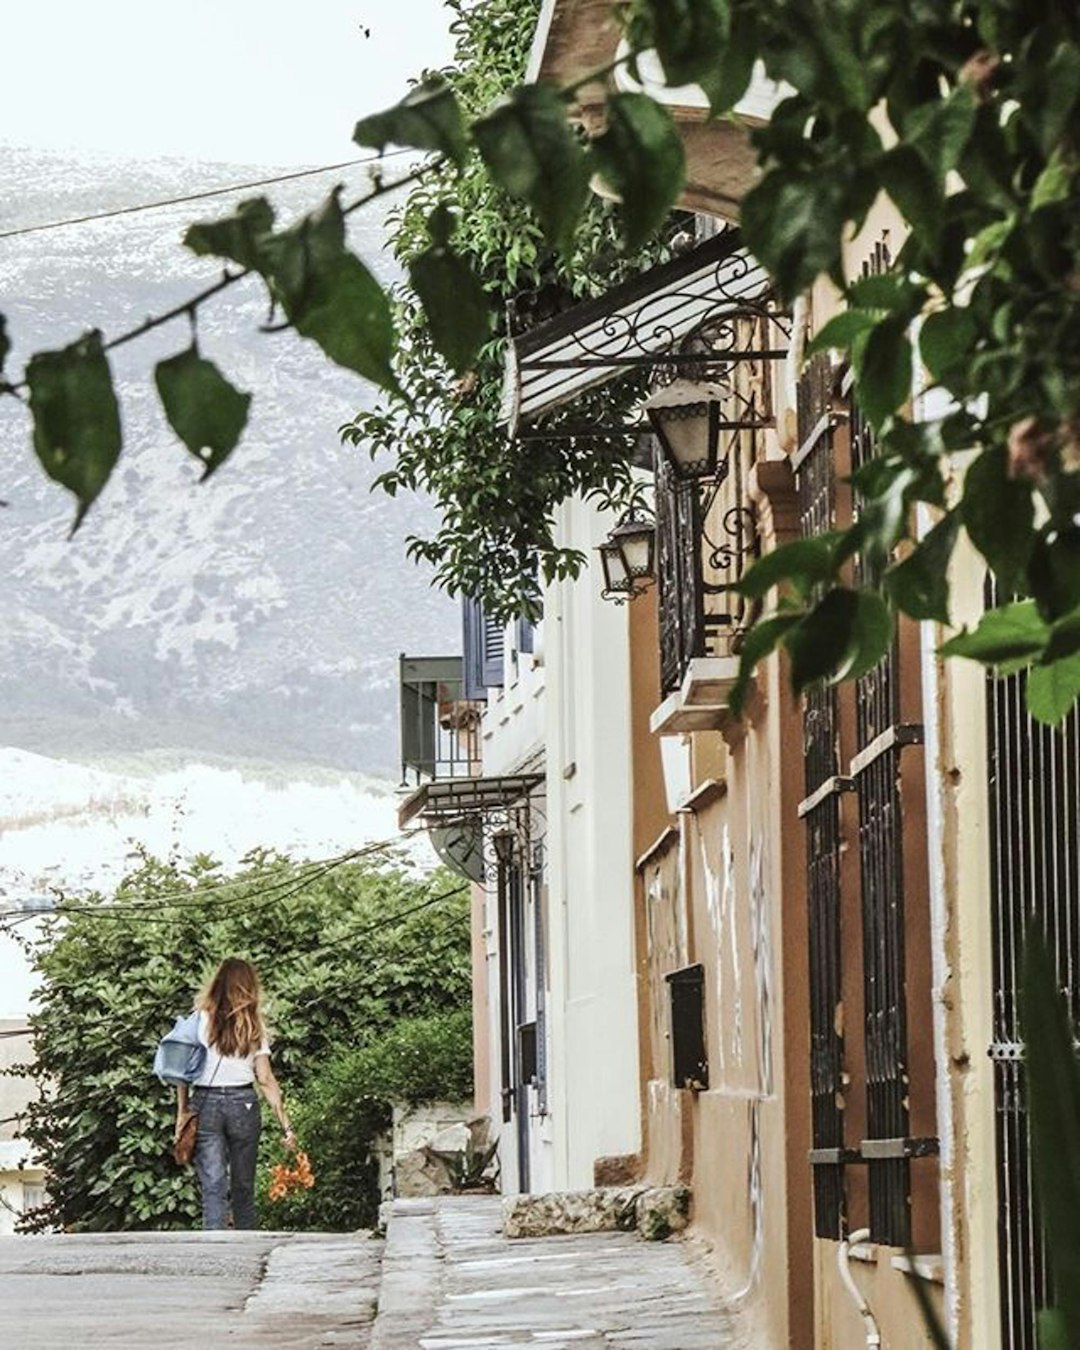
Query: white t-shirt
x=225, y=1070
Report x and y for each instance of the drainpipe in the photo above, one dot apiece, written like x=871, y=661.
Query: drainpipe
x=932, y=693
x=843, y=1259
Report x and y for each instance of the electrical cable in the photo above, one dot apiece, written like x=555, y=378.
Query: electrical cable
x=199, y=196
x=190, y=898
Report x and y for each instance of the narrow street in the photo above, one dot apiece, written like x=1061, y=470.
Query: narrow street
x=187, y=1289
x=446, y=1279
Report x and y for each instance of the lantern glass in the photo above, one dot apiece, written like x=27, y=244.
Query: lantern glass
x=635, y=541
x=617, y=579
x=686, y=418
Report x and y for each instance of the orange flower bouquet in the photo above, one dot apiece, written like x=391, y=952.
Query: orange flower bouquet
x=284, y=1180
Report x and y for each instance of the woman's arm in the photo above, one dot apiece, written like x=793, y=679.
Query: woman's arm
x=181, y=1103
x=271, y=1090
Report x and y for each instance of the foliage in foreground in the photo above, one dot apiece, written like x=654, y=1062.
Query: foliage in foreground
x=346, y=953
x=963, y=112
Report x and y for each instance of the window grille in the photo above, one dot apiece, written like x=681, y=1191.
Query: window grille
x=816, y=486
x=874, y=774
x=1034, y=798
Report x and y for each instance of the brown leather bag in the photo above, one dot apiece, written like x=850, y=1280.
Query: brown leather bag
x=186, y=1134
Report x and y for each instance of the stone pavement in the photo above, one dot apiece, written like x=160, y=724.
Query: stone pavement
x=166, y=1290
x=451, y=1281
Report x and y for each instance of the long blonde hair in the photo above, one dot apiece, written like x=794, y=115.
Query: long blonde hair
x=232, y=1000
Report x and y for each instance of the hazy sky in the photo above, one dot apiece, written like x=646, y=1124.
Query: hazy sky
x=274, y=82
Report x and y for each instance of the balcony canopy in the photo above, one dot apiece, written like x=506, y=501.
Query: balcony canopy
x=644, y=321
x=446, y=800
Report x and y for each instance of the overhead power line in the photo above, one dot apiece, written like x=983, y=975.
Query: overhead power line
x=197, y=196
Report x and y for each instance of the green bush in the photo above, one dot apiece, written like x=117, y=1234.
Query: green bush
x=345, y=953
x=342, y=1111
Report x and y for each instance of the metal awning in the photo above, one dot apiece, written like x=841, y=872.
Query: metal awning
x=639, y=323
x=450, y=798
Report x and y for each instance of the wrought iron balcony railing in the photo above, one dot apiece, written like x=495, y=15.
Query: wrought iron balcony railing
x=440, y=727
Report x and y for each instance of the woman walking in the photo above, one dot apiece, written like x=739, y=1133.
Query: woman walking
x=231, y=1027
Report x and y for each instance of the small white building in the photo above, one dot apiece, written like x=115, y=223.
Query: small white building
x=22, y=1178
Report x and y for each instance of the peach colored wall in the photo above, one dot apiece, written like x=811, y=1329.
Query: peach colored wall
x=887, y=1291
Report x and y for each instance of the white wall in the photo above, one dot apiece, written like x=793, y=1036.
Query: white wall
x=566, y=712
x=593, y=1012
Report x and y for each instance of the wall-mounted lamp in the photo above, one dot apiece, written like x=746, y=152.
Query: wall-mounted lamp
x=628, y=557
x=685, y=415
x=505, y=845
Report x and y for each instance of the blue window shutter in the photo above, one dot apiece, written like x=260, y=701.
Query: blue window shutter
x=483, y=642
x=523, y=641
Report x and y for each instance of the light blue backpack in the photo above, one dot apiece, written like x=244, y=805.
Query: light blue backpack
x=180, y=1055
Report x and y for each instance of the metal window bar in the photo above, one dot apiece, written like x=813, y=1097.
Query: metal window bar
x=816, y=488
x=1034, y=796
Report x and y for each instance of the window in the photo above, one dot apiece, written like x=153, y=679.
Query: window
x=484, y=645
x=859, y=740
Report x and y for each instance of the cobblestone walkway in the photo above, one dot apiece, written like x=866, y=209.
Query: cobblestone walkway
x=451, y=1281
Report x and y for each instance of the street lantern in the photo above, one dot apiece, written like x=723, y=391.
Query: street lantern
x=685, y=415
x=628, y=557
x=505, y=845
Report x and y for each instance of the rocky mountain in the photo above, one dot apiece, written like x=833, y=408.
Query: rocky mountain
x=259, y=615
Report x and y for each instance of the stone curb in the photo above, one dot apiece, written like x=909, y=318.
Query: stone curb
x=411, y=1276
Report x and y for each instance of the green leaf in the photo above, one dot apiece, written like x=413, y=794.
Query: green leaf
x=238, y=237
x=203, y=408
x=804, y=562
x=989, y=241
x=531, y=153
x=1052, y=1330
x=330, y=296
x=1052, y=690
x=871, y=635
x=999, y=515
x=1055, y=182
x=456, y=305
x=946, y=340
x=940, y=130
x=688, y=35
x=758, y=643
x=884, y=370
x=886, y=290
x=1064, y=638
x=640, y=156
x=1008, y=633
x=793, y=223
x=728, y=76
x=844, y=636
x=842, y=330
x=77, y=433
x=908, y=180
x=1053, y=1091
x=919, y=586
x=427, y=118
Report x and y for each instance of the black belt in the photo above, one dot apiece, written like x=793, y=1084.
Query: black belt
x=235, y=1087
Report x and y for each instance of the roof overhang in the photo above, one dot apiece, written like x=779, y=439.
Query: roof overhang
x=447, y=799
x=639, y=323
x=574, y=37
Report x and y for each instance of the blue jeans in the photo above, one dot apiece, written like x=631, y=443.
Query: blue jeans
x=225, y=1151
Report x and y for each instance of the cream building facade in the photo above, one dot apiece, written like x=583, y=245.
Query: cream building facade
x=780, y=952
